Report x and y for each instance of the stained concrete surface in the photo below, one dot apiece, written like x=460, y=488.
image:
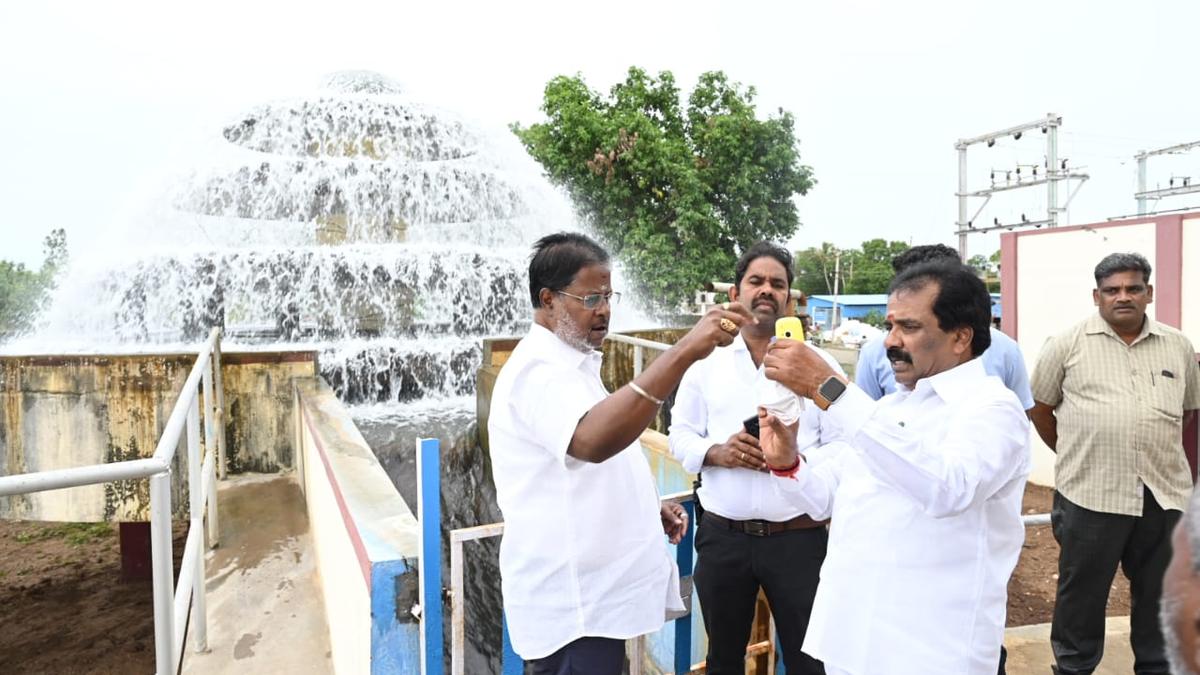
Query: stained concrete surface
x=264, y=594
x=1029, y=649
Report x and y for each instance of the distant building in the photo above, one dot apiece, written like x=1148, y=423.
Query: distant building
x=820, y=307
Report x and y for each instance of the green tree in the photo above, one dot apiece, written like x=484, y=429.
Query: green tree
x=675, y=192
x=23, y=292
x=870, y=266
x=867, y=269
x=988, y=268
x=815, y=268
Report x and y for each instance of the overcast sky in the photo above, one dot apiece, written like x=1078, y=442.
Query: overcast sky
x=97, y=98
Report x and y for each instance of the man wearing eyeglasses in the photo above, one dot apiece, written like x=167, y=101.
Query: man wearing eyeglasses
x=749, y=537
x=583, y=563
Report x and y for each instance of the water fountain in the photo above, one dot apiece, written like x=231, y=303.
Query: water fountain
x=383, y=233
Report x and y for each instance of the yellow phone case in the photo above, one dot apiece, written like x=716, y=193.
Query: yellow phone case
x=789, y=327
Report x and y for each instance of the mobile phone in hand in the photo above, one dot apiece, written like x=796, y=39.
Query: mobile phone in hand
x=750, y=424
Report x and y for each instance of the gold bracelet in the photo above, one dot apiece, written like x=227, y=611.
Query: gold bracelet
x=642, y=392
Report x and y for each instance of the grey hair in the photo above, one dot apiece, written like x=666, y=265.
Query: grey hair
x=1170, y=605
x=1122, y=262
x=1191, y=525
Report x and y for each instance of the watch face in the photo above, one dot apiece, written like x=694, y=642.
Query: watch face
x=832, y=388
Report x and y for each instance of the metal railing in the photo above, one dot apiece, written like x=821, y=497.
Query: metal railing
x=511, y=662
x=170, y=608
x=639, y=345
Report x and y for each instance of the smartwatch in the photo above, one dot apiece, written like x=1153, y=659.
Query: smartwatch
x=829, y=392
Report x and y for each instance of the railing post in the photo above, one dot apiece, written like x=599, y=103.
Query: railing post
x=683, y=625
x=162, y=572
x=219, y=383
x=214, y=525
x=637, y=360
x=458, y=628
x=211, y=411
x=429, y=515
x=196, y=499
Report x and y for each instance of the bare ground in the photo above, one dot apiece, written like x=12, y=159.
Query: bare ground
x=1031, y=589
x=63, y=607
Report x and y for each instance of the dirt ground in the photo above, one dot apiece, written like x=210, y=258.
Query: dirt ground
x=63, y=607
x=1031, y=589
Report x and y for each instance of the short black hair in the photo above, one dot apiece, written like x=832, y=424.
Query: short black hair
x=557, y=258
x=962, y=298
x=923, y=254
x=763, y=249
x=1122, y=262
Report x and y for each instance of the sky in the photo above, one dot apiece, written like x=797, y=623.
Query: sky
x=96, y=99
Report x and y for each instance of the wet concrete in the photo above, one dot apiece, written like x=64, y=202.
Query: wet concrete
x=1029, y=649
x=264, y=594
x=68, y=411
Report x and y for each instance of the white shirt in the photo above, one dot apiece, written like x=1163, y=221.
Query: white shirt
x=714, y=398
x=583, y=552
x=926, y=507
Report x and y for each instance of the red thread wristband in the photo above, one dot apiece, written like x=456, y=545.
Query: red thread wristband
x=789, y=472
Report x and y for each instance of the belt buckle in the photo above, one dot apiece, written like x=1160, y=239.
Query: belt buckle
x=756, y=528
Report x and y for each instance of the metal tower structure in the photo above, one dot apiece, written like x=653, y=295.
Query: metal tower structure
x=1055, y=171
x=1184, y=187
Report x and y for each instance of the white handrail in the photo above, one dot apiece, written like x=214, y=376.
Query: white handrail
x=637, y=341
x=639, y=344
x=58, y=479
x=170, y=610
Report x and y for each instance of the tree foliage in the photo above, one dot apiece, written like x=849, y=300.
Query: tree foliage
x=23, y=292
x=676, y=192
x=867, y=269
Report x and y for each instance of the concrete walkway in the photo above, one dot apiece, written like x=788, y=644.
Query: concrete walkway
x=264, y=595
x=1029, y=649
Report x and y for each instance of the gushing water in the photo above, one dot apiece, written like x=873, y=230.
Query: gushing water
x=386, y=233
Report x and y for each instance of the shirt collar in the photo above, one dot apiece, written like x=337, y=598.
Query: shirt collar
x=1096, y=324
x=957, y=382
x=550, y=347
x=739, y=344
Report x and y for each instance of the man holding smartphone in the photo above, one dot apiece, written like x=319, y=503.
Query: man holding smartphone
x=748, y=537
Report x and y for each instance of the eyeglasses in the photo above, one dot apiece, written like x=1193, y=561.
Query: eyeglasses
x=593, y=301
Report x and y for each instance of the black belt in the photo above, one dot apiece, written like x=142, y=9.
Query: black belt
x=763, y=528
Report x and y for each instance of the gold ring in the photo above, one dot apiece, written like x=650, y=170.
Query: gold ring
x=741, y=455
x=729, y=326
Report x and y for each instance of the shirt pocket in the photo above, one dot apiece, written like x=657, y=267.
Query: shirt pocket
x=1167, y=393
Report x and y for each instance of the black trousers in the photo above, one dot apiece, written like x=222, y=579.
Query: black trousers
x=585, y=656
x=1092, y=544
x=730, y=568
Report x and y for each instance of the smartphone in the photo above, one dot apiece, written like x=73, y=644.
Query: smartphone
x=750, y=424
x=790, y=328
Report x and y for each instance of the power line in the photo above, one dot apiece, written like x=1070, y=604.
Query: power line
x=1053, y=171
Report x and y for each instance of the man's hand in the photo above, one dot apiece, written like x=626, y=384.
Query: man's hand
x=796, y=366
x=741, y=451
x=778, y=440
x=708, y=334
x=674, y=521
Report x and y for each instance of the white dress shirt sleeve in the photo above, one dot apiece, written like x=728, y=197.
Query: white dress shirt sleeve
x=549, y=404
x=688, y=435
x=812, y=489
x=978, y=455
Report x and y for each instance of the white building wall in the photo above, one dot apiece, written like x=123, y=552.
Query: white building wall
x=1054, y=291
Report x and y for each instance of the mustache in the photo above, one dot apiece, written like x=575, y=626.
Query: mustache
x=897, y=354
x=770, y=301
